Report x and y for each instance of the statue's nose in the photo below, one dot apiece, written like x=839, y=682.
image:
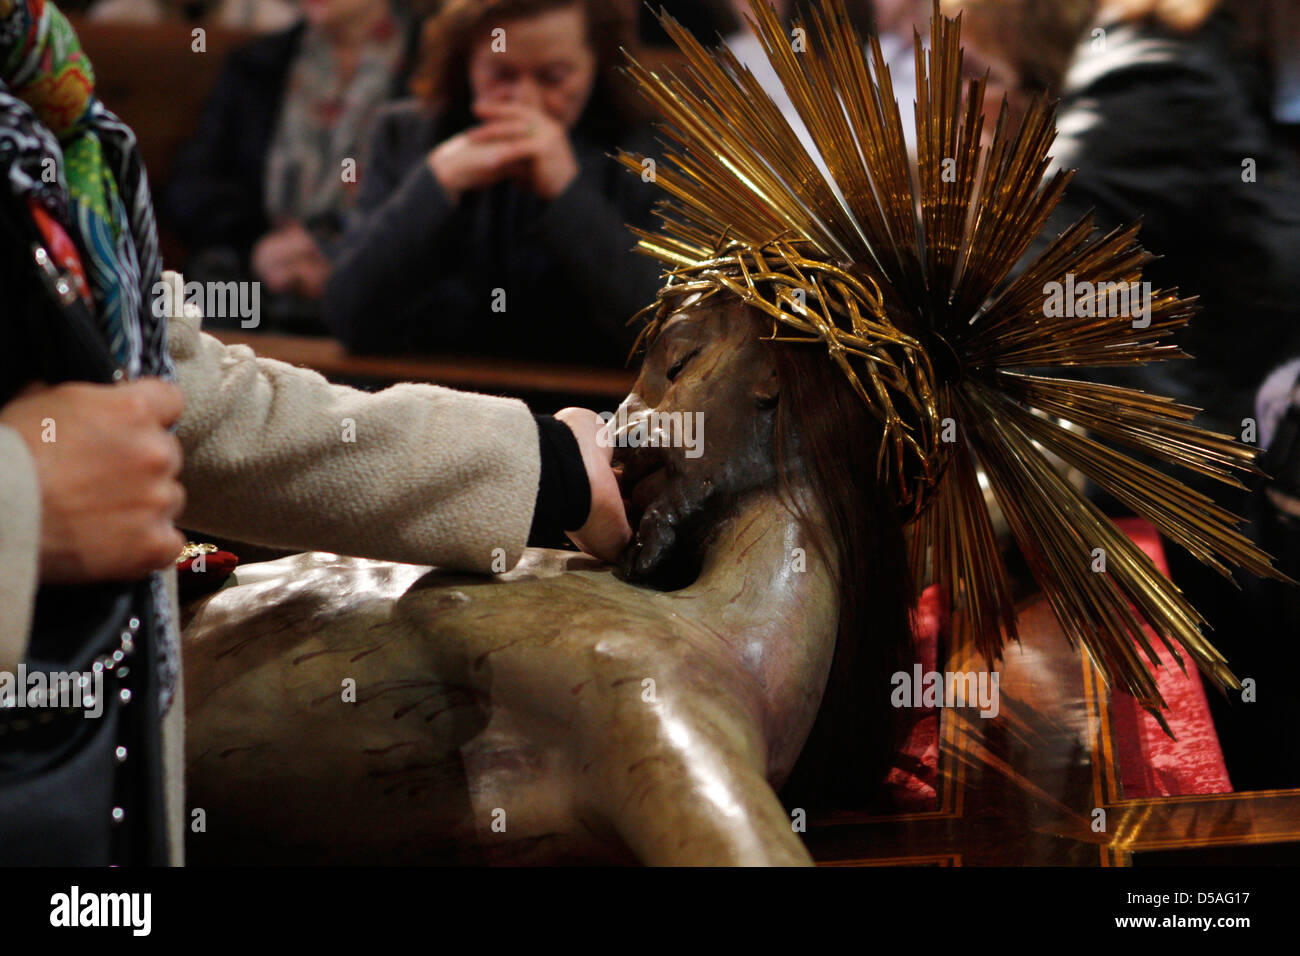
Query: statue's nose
x=629, y=421
x=633, y=406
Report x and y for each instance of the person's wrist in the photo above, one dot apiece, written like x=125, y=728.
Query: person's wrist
x=558, y=182
x=563, y=489
x=606, y=532
x=443, y=178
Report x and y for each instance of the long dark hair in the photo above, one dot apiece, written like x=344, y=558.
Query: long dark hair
x=450, y=35
x=825, y=434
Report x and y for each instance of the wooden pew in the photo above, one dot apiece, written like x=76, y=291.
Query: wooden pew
x=539, y=383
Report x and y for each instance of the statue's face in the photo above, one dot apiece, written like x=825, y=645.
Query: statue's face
x=696, y=435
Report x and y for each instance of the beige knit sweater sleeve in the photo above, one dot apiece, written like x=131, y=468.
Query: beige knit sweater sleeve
x=276, y=455
x=20, y=538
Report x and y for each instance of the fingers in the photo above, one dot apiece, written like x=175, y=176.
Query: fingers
x=154, y=546
x=153, y=400
x=162, y=501
x=510, y=110
x=512, y=158
x=109, y=482
x=501, y=130
x=275, y=255
x=479, y=157
x=480, y=163
x=160, y=453
x=513, y=152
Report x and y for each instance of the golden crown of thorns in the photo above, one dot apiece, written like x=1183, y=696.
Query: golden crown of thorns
x=829, y=305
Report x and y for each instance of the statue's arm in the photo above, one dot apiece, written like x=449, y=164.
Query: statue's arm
x=277, y=455
x=679, y=768
x=704, y=806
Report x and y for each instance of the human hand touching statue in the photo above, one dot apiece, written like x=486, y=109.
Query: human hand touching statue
x=515, y=140
x=606, y=532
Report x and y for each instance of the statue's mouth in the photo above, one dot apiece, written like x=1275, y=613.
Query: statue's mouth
x=642, y=478
x=645, y=492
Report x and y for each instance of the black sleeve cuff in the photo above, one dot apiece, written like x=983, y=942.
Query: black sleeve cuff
x=563, y=493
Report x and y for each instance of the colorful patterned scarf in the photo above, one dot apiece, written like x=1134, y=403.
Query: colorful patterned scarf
x=61, y=147
x=75, y=167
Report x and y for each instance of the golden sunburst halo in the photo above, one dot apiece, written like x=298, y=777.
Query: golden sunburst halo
x=902, y=270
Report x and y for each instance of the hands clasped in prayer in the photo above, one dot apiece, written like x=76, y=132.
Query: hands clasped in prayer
x=514, y=141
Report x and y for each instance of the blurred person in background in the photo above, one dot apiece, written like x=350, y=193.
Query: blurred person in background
x=1022, y=49
x=492, y=218
x=1025, y=48
x=262, y=190
x=1167, y=114
x=1280, y=27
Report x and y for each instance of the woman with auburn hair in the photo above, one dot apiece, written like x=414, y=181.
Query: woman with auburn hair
x=490, y=204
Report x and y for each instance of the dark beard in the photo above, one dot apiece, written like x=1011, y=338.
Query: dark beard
x=665, y=551
x=675, y=532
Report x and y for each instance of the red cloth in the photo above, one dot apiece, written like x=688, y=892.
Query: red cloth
x=218, y=564
x=911, y=781
x=197, y=580
x=1150, y=764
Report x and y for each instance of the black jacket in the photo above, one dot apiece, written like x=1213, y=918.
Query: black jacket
x=215, y=196
x=414, y=272
x=1158, y=126
x=62, y=776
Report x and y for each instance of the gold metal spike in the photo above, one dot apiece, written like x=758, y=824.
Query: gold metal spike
x=900, y=272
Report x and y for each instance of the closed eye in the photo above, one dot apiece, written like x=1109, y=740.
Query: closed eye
x=681, y=364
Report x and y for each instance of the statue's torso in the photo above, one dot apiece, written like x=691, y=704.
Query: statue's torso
x=342, y=708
